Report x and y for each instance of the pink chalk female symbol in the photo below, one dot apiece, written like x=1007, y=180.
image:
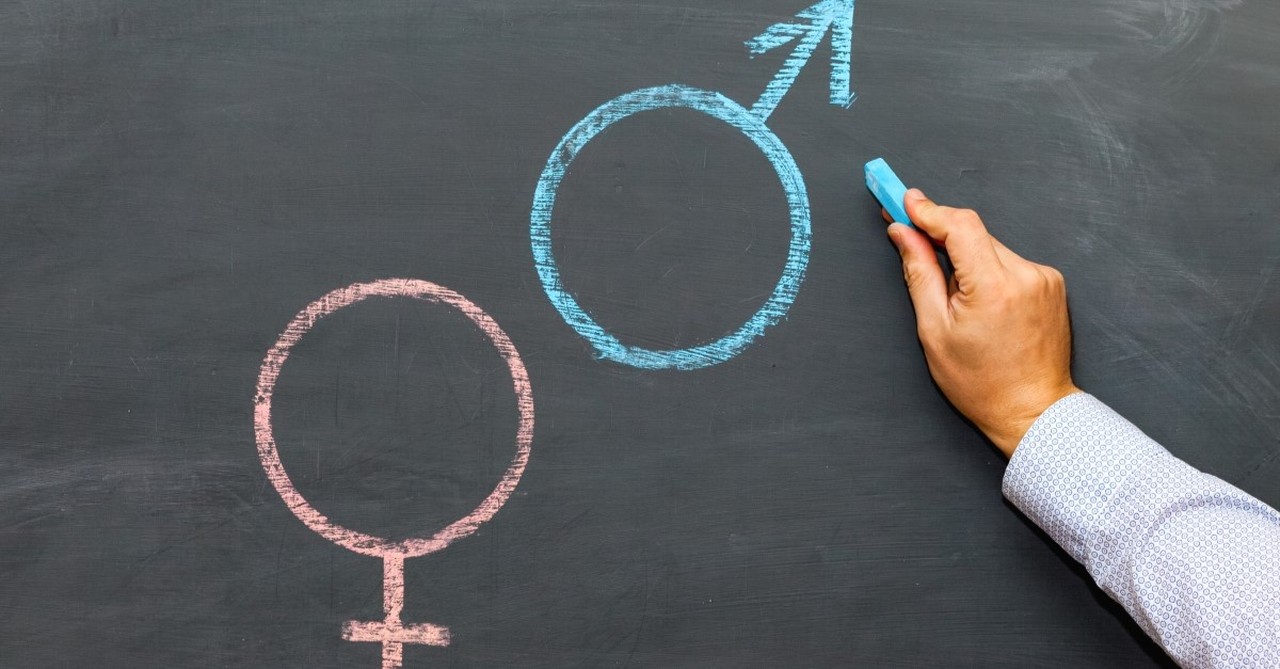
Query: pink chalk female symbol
x=391, y=632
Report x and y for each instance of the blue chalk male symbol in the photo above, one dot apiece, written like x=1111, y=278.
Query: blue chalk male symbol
x=808, y=28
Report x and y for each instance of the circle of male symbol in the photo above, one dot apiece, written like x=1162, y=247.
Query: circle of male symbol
x=718, y=107
x=391, y=632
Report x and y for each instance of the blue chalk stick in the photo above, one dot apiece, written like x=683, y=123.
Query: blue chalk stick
x=888, y=189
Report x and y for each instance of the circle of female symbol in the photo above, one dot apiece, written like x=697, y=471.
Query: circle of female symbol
x=391, y=632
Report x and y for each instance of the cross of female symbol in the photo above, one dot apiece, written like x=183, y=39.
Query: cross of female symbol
x=392, y=632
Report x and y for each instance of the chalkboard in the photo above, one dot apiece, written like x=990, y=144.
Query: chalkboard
x=563, y=334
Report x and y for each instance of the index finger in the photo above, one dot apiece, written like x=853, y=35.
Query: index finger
x=961, y=232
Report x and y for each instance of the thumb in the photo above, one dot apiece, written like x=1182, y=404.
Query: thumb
x=926, y=282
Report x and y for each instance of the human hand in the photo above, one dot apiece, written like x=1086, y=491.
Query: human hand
x=996, y=335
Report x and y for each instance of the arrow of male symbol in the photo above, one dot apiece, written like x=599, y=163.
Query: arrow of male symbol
x=809, y=27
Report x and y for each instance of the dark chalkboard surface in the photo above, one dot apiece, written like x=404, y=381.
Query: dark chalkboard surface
x=179, y=180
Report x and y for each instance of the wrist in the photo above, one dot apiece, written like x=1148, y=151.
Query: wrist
x=1007, y=433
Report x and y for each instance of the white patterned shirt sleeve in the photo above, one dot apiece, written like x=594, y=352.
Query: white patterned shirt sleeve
x=1194, y=560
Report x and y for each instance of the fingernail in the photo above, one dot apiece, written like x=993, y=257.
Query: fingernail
x=895, y=235
x=914, y=194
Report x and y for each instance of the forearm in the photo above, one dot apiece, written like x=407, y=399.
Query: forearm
x=1194, y=560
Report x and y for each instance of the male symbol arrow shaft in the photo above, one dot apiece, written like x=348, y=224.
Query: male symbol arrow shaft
x=810, y=26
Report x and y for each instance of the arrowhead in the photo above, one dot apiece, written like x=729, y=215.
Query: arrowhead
x=809, y=27
x=829, y=11
x=820, y=16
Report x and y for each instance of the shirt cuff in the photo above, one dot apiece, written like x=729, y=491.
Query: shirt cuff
x=1070, y=466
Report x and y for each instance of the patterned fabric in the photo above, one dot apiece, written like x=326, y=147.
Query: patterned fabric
x=1194, y=560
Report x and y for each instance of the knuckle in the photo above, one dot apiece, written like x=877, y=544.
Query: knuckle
x=912, y=273
x=1051, y=279
x=969, y=220
x=1032, y=274
x=914, y=279
x=969, y=226
x=907, y=273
